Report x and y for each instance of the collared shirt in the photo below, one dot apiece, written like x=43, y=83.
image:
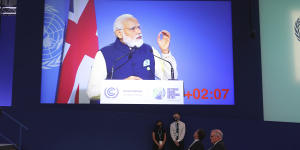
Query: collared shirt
x=181, y=131
x=99, y=71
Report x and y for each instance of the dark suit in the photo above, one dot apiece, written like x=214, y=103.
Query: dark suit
x=197, y=146
x=174, y=147
x=219, y=146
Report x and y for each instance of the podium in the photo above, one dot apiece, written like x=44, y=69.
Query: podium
x=142, y=92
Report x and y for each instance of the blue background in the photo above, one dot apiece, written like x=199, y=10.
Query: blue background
x=50, y=76
x=201, y=39
x=7, y=45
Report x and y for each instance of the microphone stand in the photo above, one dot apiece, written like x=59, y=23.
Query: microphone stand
x=172, y=69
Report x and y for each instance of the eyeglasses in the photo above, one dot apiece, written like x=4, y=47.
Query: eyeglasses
x=134, y=28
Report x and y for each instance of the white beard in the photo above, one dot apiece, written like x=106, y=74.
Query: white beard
x=133, y=42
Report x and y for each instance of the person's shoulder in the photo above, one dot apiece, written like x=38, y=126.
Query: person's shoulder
x=220, y=146
x=172, y=124
x=198, y=143
x=198, y=146
x=99, y=54
x=221, y=143
x=181, y=122
x=107, y=48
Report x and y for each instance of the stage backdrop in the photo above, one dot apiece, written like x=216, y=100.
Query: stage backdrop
x=7, y=44
x=201, y=42
x=280, y=49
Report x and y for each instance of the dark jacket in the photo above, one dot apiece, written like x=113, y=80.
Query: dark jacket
x=219, y=146
x=197, y=146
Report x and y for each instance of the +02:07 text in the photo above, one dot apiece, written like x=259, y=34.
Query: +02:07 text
x=206, y=94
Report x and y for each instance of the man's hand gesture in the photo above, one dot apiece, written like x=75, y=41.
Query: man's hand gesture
x=164, y=42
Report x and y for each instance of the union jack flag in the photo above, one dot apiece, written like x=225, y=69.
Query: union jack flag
x=80, y=48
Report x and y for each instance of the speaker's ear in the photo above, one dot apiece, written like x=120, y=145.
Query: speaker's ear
x=119, y=34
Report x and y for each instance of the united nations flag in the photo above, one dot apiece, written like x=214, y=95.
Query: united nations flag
x=295, y=15
x=53, y=37
x=297, y=29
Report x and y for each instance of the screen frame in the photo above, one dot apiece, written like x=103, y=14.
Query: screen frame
x=241, y=89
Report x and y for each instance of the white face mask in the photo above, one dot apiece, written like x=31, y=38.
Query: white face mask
x=133, y=42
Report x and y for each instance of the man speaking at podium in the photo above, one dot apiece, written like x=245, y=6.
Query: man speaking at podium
x=129, y=58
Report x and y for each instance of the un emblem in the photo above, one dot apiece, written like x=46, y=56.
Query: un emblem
x=52, y=38
x=297, y=29
x=111, y=92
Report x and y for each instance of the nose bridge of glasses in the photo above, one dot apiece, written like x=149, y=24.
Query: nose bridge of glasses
x=136, y=28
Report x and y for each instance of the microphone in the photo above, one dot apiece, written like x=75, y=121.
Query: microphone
x=118, y=59
x=172, y=69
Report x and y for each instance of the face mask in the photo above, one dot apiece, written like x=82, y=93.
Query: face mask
x=176, y=119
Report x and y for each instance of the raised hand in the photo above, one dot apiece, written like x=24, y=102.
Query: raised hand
x=164, y=42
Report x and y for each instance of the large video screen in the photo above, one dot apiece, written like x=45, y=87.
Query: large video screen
x=137, y=52
x=7, y=44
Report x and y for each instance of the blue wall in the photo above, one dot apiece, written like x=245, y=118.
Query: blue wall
x=7, y=44
x=115, y=127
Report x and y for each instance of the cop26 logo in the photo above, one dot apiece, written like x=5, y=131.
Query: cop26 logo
x=297, y=29
x=111, y=92
x=52, y=38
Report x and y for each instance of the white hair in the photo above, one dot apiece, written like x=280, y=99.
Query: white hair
x=118, y=24
x=218, y=133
